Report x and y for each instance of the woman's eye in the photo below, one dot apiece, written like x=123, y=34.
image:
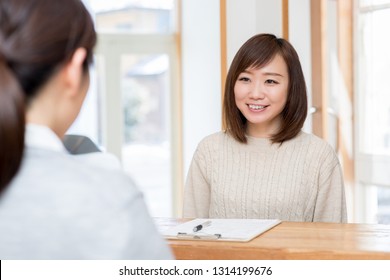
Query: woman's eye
x=244, y=79
x=271, y=82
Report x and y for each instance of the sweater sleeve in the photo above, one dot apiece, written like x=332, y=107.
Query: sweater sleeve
x=330, y=204
x=197, y=188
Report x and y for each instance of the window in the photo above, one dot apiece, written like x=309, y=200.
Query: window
x=373, y=111
x=132, y=109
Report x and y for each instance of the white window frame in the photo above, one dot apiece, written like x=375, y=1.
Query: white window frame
x=111, y=46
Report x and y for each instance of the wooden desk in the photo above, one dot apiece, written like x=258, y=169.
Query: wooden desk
x=292, y=240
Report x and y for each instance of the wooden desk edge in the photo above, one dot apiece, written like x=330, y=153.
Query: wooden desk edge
x=292, y=240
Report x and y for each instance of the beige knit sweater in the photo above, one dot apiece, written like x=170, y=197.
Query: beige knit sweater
x=300, y=180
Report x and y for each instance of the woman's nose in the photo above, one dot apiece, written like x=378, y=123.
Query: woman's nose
x=257, y=91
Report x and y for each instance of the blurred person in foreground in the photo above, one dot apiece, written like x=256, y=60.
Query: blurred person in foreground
x=53, y=205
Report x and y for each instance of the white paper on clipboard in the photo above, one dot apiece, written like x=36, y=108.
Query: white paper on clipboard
x=240, y=230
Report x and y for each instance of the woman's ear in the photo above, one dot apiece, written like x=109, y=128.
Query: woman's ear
x=74, y=70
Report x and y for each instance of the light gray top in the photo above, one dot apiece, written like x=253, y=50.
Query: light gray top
x=301, y=180
x=61, y=206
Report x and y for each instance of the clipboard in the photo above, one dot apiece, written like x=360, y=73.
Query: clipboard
x=236, y=230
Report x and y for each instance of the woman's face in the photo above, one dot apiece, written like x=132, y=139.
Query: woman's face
x=261, y=95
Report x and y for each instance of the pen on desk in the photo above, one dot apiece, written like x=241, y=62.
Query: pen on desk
x=201, y=226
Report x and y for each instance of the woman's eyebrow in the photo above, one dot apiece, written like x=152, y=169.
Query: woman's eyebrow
x=247, y=71
x=272, y=74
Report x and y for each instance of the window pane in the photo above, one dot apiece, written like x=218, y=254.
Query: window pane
x=383, y=215
x=374, y=83
x=146, y=112
x=374, y=107
x=134, y=16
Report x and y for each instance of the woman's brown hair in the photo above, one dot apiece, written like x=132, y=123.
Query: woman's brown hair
x=257, y=52
x=36, y=38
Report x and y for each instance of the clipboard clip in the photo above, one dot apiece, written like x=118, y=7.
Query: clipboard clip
x=184, y=235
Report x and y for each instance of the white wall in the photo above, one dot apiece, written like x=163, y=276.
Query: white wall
x=201, y=73
x=246, y=18
x=300, y=38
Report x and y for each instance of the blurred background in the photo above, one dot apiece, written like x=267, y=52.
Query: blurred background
x=158, y=77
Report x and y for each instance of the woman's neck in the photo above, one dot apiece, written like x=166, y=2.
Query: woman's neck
x=261, y=130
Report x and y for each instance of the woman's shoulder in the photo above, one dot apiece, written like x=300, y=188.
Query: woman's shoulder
x=313, y=139
x=316, y=145
x=77, y=174
x=214, y=137
x=104, y=169
x=215, y=140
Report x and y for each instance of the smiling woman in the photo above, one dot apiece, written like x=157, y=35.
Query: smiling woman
x=261, y=95
x=272, y=56
x=263, y=165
